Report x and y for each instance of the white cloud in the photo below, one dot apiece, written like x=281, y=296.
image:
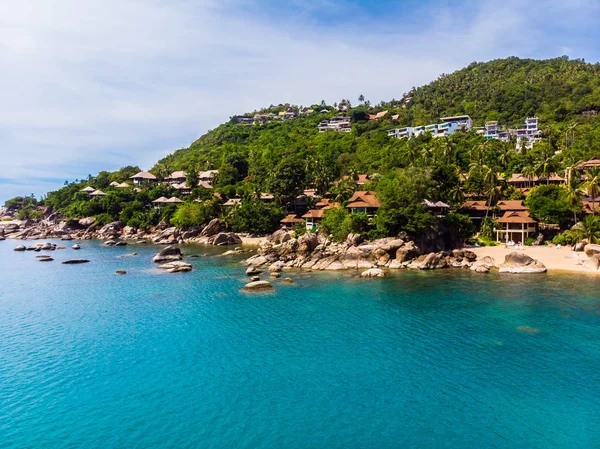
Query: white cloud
x=94, y=85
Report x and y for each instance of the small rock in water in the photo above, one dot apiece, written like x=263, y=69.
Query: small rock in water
x=373, y=273
x=46, y=259
x=121, y=244
x=255, y=278
x=253, y=271
x=275, y=275
x=75, y=261
x=288, y=281
x=528, y=330
x=20, y=248
x=258, y=285
x=76, y=247
x=121, y=272
x=176, y=267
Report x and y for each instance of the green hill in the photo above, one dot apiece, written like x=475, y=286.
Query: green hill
x=283, y=156
x=558, y=91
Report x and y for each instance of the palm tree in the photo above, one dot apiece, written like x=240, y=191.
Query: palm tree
x=591, y=186
x=457, y=194
x=574, y=196
x=361, y=98
x=411, y=151
x=588, y=229
x=529, y=173
x=546, y=164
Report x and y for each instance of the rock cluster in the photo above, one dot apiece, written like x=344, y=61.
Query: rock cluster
x=115, y=233
x=521, y=263
x=309, y=251
x=168, y=254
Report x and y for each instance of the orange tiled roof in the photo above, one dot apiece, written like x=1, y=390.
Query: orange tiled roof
x=363, y=199
x=511, y=205
x=516, y=217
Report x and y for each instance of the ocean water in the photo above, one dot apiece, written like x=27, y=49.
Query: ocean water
x=447, y=359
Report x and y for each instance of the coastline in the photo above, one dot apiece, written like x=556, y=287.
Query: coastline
x=555, y=259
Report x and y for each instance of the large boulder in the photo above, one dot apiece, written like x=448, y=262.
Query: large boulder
x=225, y=239
x=307, y=242
x=176, y=266
x=88, y=221
x=258, y=285
x=591, y=249
x=521, y=263
x=112, y=229
x=280, y=236
x=483, y=265
x=212, y=228
x=167, y=254
x=253, y=271
x=373, y=273
x=354, y=239
x=593, y=263
x=406, y=252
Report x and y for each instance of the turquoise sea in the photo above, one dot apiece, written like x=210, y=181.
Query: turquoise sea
x=447, y=359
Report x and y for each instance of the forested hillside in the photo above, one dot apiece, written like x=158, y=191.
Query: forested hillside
x=287, y=154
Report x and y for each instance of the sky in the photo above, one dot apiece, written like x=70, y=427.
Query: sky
x=95, y=85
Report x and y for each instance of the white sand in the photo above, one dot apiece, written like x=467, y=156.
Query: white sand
x=555, y=259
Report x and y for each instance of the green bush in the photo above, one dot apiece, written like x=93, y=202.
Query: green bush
x=563, y=239
x=191, y=214
x=529, y=241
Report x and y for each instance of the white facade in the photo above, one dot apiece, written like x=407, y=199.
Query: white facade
x=448, y=126
x=340, y=124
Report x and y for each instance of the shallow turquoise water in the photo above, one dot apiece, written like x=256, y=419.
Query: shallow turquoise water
x=90, y=359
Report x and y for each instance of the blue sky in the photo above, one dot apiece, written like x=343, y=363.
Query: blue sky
x=88, y=85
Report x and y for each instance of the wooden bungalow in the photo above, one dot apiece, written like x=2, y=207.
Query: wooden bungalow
x=517, y=226
x=364, y=201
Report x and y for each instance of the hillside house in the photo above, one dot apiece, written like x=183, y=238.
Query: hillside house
x=143, y=177
x=208, y=176
x=517, y=226
x=313, y=217
x=524, y=183
x=365, y=202
x=339, y=124
x=176, y=177
x=438, y=208
x=290, y=221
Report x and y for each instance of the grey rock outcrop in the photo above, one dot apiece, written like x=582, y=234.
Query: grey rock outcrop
x=212, y=228
x=176, y=267
x=167, y=254
x=483, y=265
x=258, y=285
x=520, y=263
x=591, y=249
x=593, y=263
x=373, y=273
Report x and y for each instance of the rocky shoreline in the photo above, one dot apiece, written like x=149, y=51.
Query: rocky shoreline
x=314, y=252
x=280, y=250
x=87, y=229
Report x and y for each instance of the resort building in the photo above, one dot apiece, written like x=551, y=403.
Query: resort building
x=377, y=116
x=340, y=124
x=290, y=221
x=88, y=189
x=208, y=176
x=516, y=226
x=493, y=131
x=524, y=183
x=176, y=177
x=448, y=126
x=365, y=202
x=313, y=217
x=143, y=177
x=97, y=193
x=246, y=120
x=438, y=208
x=527, y=134
x=232, y=202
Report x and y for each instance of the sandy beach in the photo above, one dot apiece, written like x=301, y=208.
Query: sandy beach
x=253, y=241
x=555, y=259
